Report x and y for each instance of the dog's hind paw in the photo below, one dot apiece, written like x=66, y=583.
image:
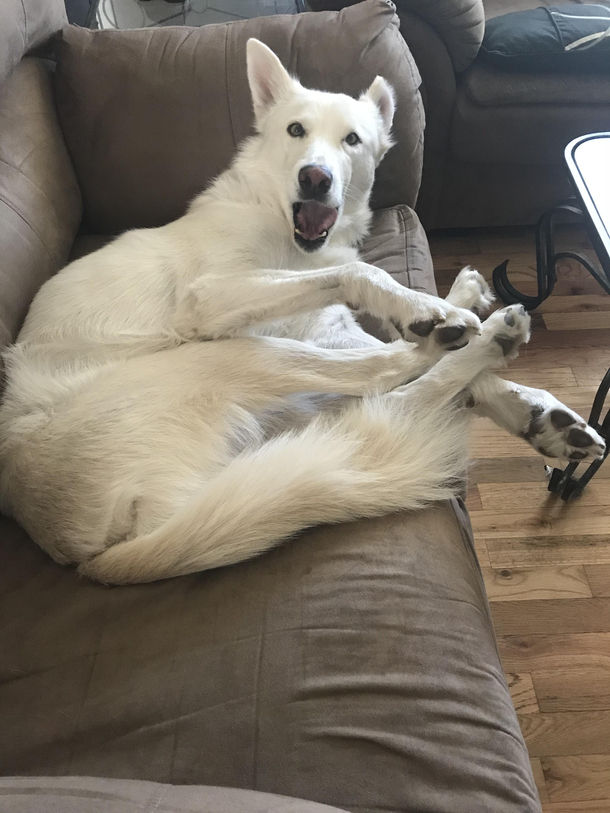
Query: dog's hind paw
x=471, y=291
x=506, y=329
x=556, y=431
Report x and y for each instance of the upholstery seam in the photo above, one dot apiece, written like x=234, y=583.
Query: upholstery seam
x=257, y=693
x=227, y=86
x=25, y=26
x=162, y=796
x=401, y=215
x=29, y=225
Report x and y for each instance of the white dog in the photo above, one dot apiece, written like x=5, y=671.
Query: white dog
x=154, y=422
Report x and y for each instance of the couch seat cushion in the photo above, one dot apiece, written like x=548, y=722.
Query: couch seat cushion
x=43, y=794
x=522, y=118
x=354, y=665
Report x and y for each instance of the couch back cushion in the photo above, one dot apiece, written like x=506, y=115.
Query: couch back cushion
x=151, y=116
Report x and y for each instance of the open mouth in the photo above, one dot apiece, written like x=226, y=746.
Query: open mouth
x=312, y=222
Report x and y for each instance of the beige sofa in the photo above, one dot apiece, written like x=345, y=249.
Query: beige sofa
x=354, y=666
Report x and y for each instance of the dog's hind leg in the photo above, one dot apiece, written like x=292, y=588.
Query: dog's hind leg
x=539, y=418
x=261, y=366
x=401, y=450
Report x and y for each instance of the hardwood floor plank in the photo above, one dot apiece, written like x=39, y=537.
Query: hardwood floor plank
x=591, y=375
x=522, y=692
x=529, y=496
x=539, y=779
x=533, y=357
x=480, y=546
x=551, y=617
x=577, y=778
x=488, y=440
x=573, y=689
x=543, y=652
x=532, y=550
x=549, y=378
x=577, y=398
x=473, y=498
x=572, y=338
x=553, y=517
x=591, y=320
x=520, y=470
x=597, y=806
x=567, y=733
x=598, y=577
x=535, y=550
x=579, y=304
x=544, y=583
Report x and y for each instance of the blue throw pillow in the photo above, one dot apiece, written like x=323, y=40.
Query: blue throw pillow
x=560, y=38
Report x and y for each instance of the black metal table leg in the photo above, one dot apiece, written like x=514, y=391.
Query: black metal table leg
x=562, y=481
x=546, y=260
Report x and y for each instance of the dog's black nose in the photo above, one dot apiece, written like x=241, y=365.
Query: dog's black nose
x=315, y=182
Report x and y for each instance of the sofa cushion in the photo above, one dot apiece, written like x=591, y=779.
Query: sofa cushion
x=91, y=795
x=354, y=665
x=151, y=116
x=40, y=203
x=27, y=24
x=397, y=243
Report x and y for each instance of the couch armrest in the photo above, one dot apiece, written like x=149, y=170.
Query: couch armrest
x=26, y=24
x=459, y=23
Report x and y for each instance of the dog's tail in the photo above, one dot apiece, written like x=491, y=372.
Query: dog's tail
x=319, y=475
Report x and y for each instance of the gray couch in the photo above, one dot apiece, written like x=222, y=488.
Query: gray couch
x=354, y=666
x=494, y=139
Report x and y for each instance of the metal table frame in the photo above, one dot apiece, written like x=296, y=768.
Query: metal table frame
x=580, y=208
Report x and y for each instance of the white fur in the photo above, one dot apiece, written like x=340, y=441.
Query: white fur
x=154, y=422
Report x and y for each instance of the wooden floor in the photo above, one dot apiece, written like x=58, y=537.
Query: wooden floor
x=547, y=563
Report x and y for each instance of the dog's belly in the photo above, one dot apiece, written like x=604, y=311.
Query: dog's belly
x=333, y=327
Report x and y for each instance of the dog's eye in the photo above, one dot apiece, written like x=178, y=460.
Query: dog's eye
x=296, y=129
x=352, y=139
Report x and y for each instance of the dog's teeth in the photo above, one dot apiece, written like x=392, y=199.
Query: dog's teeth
x=299, y=232
x=324, y=234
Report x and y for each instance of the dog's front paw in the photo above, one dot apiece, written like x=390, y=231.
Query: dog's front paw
x=556, y=431
x=448, y=327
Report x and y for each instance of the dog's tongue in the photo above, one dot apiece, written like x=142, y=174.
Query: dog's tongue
x=313, y=219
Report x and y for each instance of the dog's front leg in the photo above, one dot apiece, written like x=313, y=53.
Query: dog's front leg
x=223, y=306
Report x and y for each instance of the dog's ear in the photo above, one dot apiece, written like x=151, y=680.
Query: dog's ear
x=381, y=93
x=268, y=79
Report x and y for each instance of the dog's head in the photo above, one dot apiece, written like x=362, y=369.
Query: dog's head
x=319, y=150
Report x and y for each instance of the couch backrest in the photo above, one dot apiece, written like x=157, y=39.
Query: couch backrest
x=150, y=116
